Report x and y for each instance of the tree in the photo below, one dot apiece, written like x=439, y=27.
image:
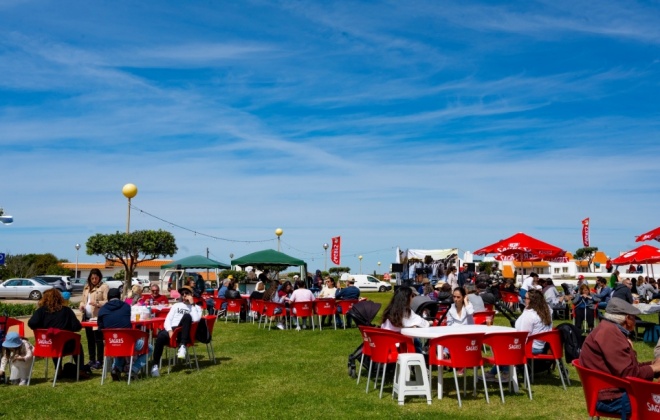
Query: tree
x=30, y=265
x=338, y=271
x=130, y=249
x=587, y=253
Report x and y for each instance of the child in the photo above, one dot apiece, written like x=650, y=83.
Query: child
x=19, y=351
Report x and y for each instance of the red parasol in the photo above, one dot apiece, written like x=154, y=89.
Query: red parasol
x=654, y=234
x=645, y=254
x=524, y=247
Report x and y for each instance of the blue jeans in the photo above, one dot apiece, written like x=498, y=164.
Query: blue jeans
x=619, y=405
x=138, y=363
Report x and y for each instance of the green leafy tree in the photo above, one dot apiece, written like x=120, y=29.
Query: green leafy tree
x=338, y=271
x=587, y=253
x=130, y=249
x=30, y=265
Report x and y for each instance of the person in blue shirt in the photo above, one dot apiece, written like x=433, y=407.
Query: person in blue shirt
x=603, y=292
x=347, y=293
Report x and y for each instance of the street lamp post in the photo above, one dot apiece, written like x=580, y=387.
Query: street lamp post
x=325, y=264
x=77, y=249
x=129, y=191
x=360, y=258
x=279, y=233
x=378, y=267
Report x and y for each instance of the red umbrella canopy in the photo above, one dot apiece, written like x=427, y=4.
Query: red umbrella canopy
x=523, y=247
x=641, y=255
x=654, y=234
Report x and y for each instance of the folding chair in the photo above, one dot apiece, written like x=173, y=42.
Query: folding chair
x=53, y=346
x=593, y=381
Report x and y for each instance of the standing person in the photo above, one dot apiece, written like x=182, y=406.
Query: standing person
x=452, y=280
x=182, y=314
x=19, y=351
x=528, y=284
x=200, y=285
x=608, y=349
x=608, y=265
x=350, y=292
x=398, y=314
x=117, y=314
x=583, y=304
x=461, y=311
x=95, y=295
x=614, y=279
x=52, y=312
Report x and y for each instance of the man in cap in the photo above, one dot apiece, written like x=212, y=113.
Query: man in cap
x=608, y=349
x=182, y=314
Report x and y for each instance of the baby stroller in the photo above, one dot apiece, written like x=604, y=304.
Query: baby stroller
x=362, y=313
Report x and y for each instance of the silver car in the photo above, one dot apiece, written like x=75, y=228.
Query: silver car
x=23, y=289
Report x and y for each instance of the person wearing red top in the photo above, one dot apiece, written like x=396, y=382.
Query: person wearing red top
x=155, y=298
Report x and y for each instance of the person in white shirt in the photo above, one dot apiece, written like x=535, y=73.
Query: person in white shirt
x=301, y=294
x=452, y=279
x=462, y=310
x=528, y=283
x=399, y=314
x=182, y=314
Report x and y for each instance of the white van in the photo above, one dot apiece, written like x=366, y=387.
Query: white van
x=367, y=283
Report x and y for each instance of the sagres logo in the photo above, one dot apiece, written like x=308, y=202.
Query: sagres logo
x=516, y=344
x=473, y=346
x=44, y=341
x=656, y=398
x=516, y=340
x=115, y=340
x=655, y=405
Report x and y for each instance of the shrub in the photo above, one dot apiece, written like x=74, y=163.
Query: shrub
x=17, y=309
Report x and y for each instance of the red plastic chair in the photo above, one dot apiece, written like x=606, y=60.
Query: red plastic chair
x=480, y=318
x=303, y=310
x=593, y=381
x=345, y=306
x=366, y=348
x=52, y=346
x=508, y=349
x=441, y=314
x=174, y=345
x=120, y=342
x=465, y=352
x=257, y=306
x=218, y=305
x=160, y=313
x=644, y=398
x=270, y=311
x=489, y=306
x=553, y=338
x=13, y=322
x=210, y=324
x=326, y=307
x=511, y=299
x=385, y=348
x=234, y=306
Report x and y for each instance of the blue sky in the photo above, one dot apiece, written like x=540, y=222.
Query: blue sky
x=417, y=124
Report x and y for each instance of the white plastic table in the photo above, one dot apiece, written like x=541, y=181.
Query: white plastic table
x=434, y=332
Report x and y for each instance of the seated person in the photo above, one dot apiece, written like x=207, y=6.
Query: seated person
x=399, y=314
x=117, y=314
x=476, y=301
x=462, y=310
x=350, y=292
x=486, y=296
x=301, y=294
x=584, y=309
x=623, y=291
x=603, y=292
x=610, y=341
x=182, y=314
x=155, y=298
x=18, y=350
x=444, y=292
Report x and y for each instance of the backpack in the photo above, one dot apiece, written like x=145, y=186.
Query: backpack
x=652, y=334
x=572, y=338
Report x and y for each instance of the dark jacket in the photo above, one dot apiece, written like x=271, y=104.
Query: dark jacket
x=115, y=314
x=232, y=294
x=350, y=292
x=200, y=285
x=64, y=319
x=623, y=292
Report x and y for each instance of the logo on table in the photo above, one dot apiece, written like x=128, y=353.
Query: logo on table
x=44, y=341
x=115, y=340
x=473, y=346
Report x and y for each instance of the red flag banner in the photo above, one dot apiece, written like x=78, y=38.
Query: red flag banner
x=335, y=253
x=585, y=232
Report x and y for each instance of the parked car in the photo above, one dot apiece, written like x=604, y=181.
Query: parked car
x=119, y=284
x=367, y=283
x=77, y=285
x=61, y=283
x=23, y=289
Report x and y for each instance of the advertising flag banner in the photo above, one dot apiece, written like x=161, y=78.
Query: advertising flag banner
x=585, y=232
x=335, y=252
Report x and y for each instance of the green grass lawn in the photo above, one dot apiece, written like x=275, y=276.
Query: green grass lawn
x=278, y=374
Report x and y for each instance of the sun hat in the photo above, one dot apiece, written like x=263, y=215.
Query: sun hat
x=12, y=340
x=439, y=285
x=618, y=306
x=426, y=281
x=186, y=289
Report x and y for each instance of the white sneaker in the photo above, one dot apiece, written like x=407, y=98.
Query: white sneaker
x=298, y=328
x=280, y=326
x=181, y=354
x=154, y=371
x=23, y=382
